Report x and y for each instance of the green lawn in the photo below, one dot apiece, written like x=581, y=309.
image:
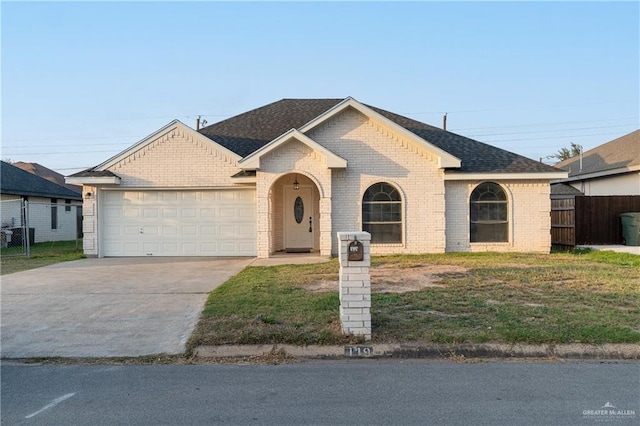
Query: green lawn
x=42, y=254
x=586, y=297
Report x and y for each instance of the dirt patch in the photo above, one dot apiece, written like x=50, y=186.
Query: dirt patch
x=388, y=279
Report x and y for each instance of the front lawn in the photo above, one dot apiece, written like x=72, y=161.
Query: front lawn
x=42, y=254
x=584, y=297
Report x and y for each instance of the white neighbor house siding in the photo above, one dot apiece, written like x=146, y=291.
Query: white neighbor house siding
x=40, y=217
x=529, y=216
x=624, y=184
x=174, y=160
x=374, y=153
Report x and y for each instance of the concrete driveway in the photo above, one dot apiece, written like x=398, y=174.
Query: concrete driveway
x=108, y=307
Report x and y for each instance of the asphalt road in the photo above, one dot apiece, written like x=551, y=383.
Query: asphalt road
x=351, y=393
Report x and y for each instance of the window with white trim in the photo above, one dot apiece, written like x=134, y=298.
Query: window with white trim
x=382, y=213
x=488, y=213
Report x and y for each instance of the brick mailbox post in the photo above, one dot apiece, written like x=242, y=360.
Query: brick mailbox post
x=355, y=283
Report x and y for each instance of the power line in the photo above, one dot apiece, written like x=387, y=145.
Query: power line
x=558, y=123
x=70, y=139
x=526, y=108
x=552, y=137
x=547, y=131
x=55, y=153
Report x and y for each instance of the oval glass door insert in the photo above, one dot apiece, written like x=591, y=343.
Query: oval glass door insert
x=298, y=210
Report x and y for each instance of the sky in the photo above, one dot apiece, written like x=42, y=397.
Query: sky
x=83, y=81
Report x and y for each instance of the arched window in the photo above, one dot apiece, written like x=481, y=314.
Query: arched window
x=488, y=213
x=382, y=213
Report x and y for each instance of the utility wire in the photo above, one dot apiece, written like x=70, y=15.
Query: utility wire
x=546, y=131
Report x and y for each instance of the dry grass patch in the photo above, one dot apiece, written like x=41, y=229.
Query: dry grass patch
x=438, y=298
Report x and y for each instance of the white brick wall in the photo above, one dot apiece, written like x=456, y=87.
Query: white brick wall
x=529, y=216
x=375, y=154
x=90, y=196
x=176, y=159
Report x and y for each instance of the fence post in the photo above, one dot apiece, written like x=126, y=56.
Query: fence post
x=25, y=229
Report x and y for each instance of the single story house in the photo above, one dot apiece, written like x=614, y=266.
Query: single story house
x=289, y=175
x=53, y=212
x=48, y=174
x=612, y=168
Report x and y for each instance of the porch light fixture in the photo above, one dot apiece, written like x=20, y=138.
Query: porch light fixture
x=296, y=185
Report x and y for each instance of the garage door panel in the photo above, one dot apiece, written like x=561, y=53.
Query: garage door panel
x=171, y=213
x=113, y=213
x=246, y=213
x=178, y=223
x=208, y=213
x=247, y=231
x=150, y=196
x=187, y=197
x=170, y=248
x=188, y=213
x=130, y=230
x=209, y=230
x=189, y=230
x=169, y=197
x=169, y=231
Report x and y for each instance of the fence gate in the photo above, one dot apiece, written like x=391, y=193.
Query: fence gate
x=14, y=228
x=563, y=223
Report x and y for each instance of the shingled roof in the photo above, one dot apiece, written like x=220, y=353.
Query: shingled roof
x=247, y=132
x=250, y=131
x=614, y=156
x=48, y=174
x=15, y=181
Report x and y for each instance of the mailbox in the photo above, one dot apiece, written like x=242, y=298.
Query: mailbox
x=356, y=251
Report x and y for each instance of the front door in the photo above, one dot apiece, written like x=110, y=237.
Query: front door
x=298, y=219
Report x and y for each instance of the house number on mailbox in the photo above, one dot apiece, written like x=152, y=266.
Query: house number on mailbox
x=356, y=250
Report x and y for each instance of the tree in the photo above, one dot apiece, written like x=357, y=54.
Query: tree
x=565, y=153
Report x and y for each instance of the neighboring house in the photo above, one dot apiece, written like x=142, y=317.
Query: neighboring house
x=289, y=175
x=609, y=169
x=50, y=175
x=53, y=210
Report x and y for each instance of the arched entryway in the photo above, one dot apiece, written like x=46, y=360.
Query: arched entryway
x=295, y=214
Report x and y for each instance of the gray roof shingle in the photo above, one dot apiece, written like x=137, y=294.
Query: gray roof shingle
x=48, y=174
x=93, y=173
x=564, y=189
x=15, y=181
x=476, y=157
x=618, y=153
x=247, y=132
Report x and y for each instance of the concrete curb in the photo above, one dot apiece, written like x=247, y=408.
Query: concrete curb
x=489, y=350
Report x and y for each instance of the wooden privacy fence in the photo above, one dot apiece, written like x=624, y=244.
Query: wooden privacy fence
x=595, y=220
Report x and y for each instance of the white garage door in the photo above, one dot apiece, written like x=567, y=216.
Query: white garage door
x=179, y=223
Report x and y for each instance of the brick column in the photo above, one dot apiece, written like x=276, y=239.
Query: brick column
x=355, y=286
